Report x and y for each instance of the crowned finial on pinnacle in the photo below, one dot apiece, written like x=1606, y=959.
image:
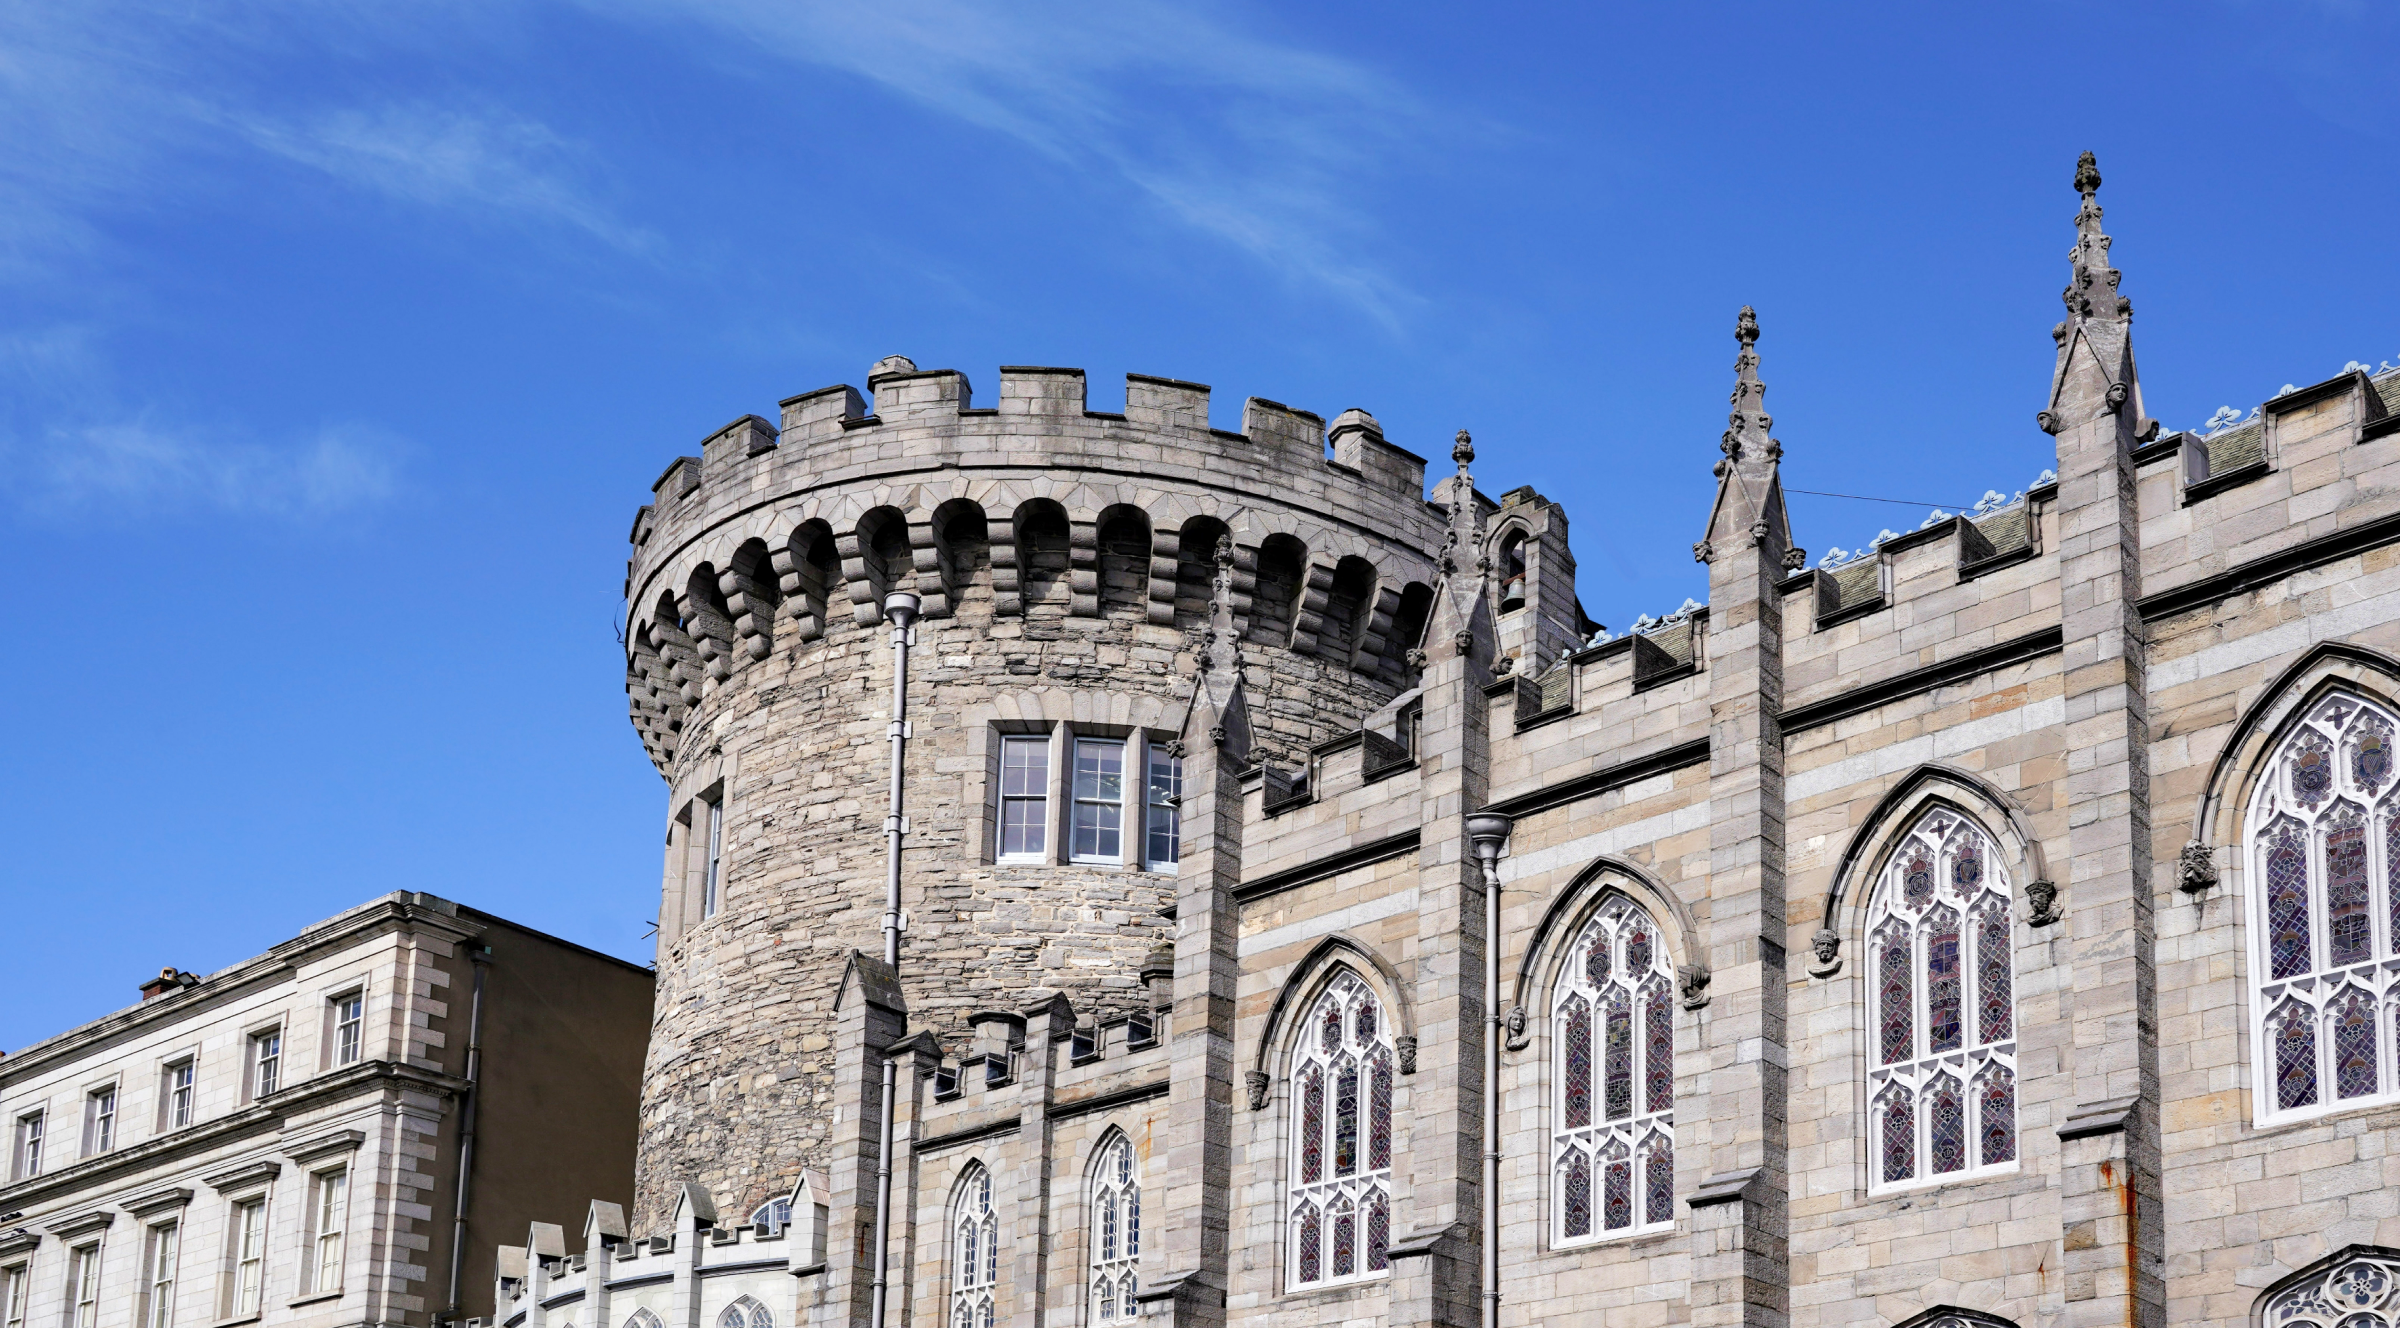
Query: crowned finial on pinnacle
x=1745, y=328
x=1463, y=451
x=2093, y=292
x=2087, y=175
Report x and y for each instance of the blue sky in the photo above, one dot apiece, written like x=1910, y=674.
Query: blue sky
x=338, y=342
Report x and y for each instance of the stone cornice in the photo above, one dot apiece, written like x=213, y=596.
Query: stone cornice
x=244, y=1176
x=360, y=1079
x=326, y=1145
x=83, y=1224
x=19, y=1241
x=157, y=1201
x=402, y=910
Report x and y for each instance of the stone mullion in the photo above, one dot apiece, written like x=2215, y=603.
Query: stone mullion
x=1008, y=585
x=1083, y=567
x=1194, y=1169
x=1166, y=570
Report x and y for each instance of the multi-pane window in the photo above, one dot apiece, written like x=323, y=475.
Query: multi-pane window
x=1099, y=800
x=2361, y=1291
x=1164, y=808
x=745, y=1312
x=1941, y=977
x=349, y=1026
x=1613, y=1054
x=1024, y=798
x=328, y=1208
x=974, y=1252
x=83, y=1287
x=1116, y=1232
x=775, y=1214
x=246, y=1251
x=100, y=1120
x=176, y=1094
x=15, y=1285
x=266, y=1062
x=709, y=880
x=1341, y=1189
x=158, y=1276
x=28, y=1148
x=2324, y=855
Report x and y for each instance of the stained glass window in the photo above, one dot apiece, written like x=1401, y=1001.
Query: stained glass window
x=2295, y=1057
x=1898, y=999
x=1995, y=975
x=1345, y=1118
x=2358, y=1287
x=1916, y=879
x=2354, y=1045
x=1379, y=1111
x=1940, y=944
x=2324, y=909
x=1996, y=1115
x=1618, y=1066
x=1311, y=1245
x=1944, y=991
x=1899, y=1137
x=1621, y=1091
x=1312, y=1124
x=2349, y=924
x=1576, y=1216
x=2287, y=904
x=975, y=1271
x=1117, y=1215
x=1946, y=1127
x=1658, y=1048
x=1576, y=1085
x=1616, y=1189
x=2371, y=758
x=1342, y=1138
x=1379, y=1232
x=1658, y=1179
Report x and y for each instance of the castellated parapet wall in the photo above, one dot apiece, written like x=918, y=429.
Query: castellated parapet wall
x=1064, y=558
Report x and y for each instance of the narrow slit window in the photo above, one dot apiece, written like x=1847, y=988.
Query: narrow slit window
x=711, y=885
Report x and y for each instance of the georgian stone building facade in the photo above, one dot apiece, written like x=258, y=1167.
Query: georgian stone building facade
x=334, y=1132
x=1312, y=918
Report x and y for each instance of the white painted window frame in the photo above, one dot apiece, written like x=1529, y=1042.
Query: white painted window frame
x=1611, y=925
x=161, y=1249
x=328, y=1229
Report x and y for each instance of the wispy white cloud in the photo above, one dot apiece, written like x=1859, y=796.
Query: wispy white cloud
x=117, y=108
x=445, y=157
x=1267, y=145
x=139, y=468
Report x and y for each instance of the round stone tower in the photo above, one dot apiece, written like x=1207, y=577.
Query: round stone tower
x=1065, y=559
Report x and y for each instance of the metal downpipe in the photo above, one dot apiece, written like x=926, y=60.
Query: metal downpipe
x=1489, y=831
x=900, y=609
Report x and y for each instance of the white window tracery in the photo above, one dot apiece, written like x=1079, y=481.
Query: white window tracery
x=2324, y=912
x=1341, y=1172
x=975, y=1252
x=641, y=1318
x=1613, y=1062
x=1941, y=1005
x=1116, y=1232
x=2361, y=1290
x=745, y=1312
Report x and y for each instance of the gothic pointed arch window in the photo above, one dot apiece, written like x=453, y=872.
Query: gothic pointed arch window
x=974, y=1252
x=2324, y=913
x=1115, y=1228
x=641, y=1318
x=745, y=1312
x=1340, y=1196
x=1941, y=998
x=2358, y=1287
x=1612, y=1154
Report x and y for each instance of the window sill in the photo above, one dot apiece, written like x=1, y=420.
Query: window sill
x=252, y=1317
x=1623, y=1240
x=1338, y=1290
x=315, y=1298
x=1930, y=1185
